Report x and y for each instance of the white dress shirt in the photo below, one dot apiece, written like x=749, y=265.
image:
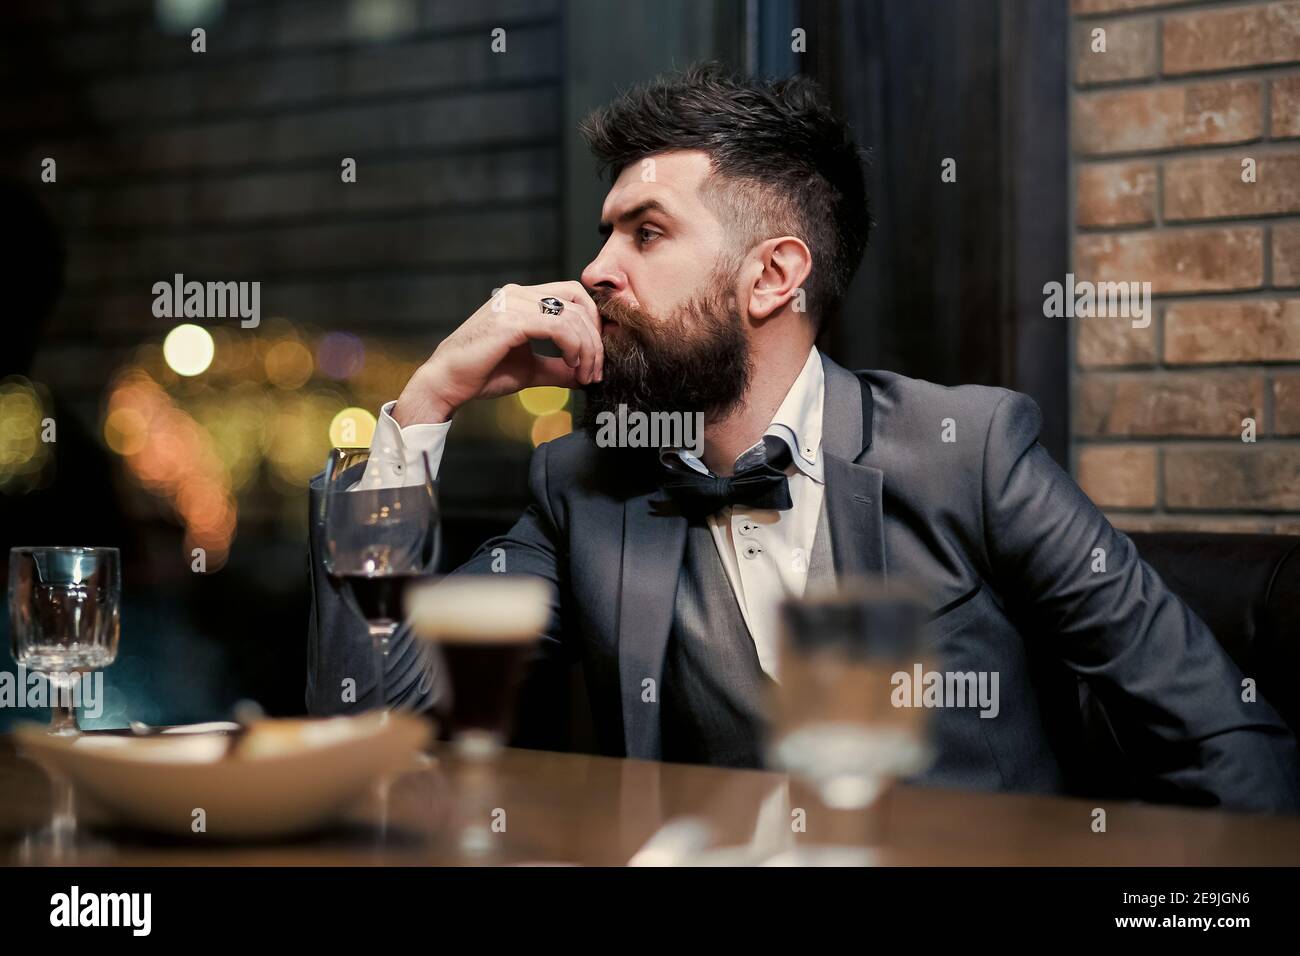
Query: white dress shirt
x=764, y=552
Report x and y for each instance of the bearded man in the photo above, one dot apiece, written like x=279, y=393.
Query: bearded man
x=736, y=219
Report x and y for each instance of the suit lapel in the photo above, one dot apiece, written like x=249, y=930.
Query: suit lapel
x=853, y=510
x=654, y=540
x=854, y=492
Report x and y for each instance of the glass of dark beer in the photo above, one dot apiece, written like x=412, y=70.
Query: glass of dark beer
x=486, y=628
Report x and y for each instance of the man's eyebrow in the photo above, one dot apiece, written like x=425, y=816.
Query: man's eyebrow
x=651, y=205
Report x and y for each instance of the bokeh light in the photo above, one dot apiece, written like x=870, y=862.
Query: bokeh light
x=235, y=350
x=544, y=399
x=173, y=456
x=552, y=426
x=242, y=441
x=126, y=430
x=340, y=355
x=188, y=349
x=382, y=19
x=23, y=454
x=288, y=364
x=352, y=428
x=301, y=437
x=511, y=421
x=180, y=16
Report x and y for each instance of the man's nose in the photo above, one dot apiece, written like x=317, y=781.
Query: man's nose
x=601, y=272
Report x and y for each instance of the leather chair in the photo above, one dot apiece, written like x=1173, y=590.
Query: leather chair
x=1246, y=588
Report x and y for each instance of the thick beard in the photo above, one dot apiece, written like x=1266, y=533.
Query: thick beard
x=697, y=360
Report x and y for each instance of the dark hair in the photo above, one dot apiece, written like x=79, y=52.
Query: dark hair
x=783, y=163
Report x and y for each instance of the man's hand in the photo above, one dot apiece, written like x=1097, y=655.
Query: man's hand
x=489, y=355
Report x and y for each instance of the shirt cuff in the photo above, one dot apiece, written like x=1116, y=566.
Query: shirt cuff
x=396, y=452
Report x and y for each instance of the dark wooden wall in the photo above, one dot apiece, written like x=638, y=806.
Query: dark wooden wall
x=950, y=288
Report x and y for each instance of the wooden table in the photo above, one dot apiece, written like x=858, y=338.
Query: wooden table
x=569, y=808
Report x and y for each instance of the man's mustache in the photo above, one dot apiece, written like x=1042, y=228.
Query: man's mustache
x=615, y=310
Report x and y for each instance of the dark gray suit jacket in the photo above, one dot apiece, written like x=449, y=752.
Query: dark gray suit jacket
x=1000, y=538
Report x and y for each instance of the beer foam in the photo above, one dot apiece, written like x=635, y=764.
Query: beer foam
x=483, y=608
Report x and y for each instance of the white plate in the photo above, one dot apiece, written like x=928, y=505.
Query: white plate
x=289, y=775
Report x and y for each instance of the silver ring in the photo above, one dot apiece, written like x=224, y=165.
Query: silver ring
x=550, y=305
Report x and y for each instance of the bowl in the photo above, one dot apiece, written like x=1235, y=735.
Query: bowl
x=287, y=776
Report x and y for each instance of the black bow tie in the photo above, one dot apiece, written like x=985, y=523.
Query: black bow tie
x=762, y=486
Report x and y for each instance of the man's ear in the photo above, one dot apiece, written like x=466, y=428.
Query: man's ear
x=785, y=263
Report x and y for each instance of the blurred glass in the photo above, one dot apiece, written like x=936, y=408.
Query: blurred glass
x=836, y=722
x=64, y=618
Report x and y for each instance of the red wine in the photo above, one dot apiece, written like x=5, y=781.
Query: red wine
x=377, y=597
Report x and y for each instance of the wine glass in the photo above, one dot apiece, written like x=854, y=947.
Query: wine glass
x=64, y=619
x=839, y=724
x=380, y=535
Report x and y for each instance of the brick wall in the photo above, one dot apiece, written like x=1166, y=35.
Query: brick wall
x=1161, y=123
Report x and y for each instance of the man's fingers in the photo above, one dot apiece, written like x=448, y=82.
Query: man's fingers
x=571, y=325
x=577, y=297
x=583, y=296
x=591, y=354
x=576, y=330
x=565, y=333
x=575, y=292
x=548, y=370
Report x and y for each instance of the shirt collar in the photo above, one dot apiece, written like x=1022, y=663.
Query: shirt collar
x=797, y=422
